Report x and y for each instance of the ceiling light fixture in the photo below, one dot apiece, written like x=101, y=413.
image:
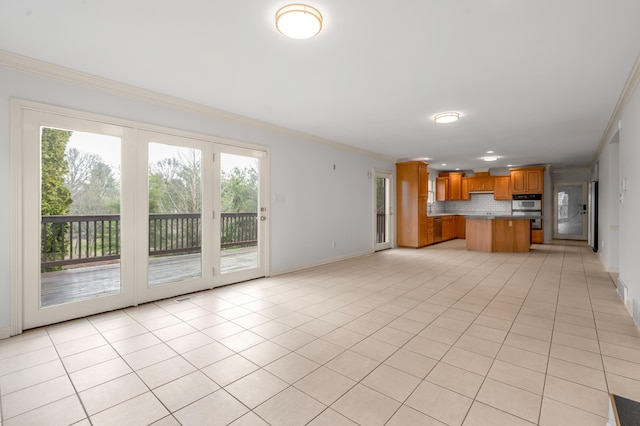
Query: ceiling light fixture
x=298, y=21
x=446, y=117
x=490, y=158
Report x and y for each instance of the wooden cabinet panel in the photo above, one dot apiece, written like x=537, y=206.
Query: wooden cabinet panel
x=488, y=183
x=475, y=184
x=442, y=188
x=461, y=225
x=430, y=231
x=449, y=230
x=537, y=236
x=481, y=182
x=449, y=186
x=499, y=235
x=455, y=186
x=423, y=180
x=465, y=189
x=517, y=181
x=502, y=188
x=411, y=207
x=422, y=221
x=534, y=181
x=527, y=180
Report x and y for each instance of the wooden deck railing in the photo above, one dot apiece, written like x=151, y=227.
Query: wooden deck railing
x=381, y=229
x=69, y=240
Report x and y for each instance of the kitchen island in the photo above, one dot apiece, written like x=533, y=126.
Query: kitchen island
x=511, y=234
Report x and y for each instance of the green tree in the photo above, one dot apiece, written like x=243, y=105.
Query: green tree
x=55, y=196
x=175, y=184
x=239, y=190
x=93, y=187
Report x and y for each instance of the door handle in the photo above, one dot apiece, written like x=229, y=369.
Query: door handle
x=263, y=218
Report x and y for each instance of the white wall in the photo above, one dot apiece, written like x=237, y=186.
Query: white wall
x=608, y=205
x=630, y=206
x=311, y=203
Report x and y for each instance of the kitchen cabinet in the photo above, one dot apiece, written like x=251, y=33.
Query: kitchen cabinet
x=465, y=196
x=430, y=231
x=537, y=236
x=412, y=190
x=442, y=188
x=455, y=186
x=449, y=186
x=481, y=182
x=449, y=230
x=461, y=226
x=502, y=188
x=528, y=180
x=498, y=235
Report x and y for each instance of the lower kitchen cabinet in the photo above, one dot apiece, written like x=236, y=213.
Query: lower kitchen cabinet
x=461, y=226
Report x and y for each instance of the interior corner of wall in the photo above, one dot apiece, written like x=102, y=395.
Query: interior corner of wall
x=635, y=312
x=5, y=332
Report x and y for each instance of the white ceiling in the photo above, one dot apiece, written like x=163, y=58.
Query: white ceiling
x=536, y=81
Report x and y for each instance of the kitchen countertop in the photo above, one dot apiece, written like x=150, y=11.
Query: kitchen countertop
x=487, y=216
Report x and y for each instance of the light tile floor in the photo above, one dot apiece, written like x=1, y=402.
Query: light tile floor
x=434, y=336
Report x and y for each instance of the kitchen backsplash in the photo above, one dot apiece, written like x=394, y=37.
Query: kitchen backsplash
x=479, y=203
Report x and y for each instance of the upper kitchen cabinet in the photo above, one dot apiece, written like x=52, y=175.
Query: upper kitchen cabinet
x=481, y=182
x=449, y=186
x=527, y=180
x=455, y=186
x=502, y=188
x=442, y=188
x=412, y=189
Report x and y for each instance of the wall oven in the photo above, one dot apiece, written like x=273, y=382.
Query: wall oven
x=528, y=205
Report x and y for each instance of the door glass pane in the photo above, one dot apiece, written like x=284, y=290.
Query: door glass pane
x=382, y=232
x=175, y=208
x=571, y=210
x=80, y=212
x=239, y=215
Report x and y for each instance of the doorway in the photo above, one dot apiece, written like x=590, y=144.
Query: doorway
x=114, y=216
x=571, y=211
x=382, y=211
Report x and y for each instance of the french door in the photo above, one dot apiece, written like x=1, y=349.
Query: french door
x=571, y=211
x=382, y=211
x=113, y=216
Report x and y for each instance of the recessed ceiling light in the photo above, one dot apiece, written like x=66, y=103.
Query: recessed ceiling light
x=298, y=21
x=489, y=152
x=446, y=117
x=490, y=158
x=457, y=168
x=444, y=164
x=509, y=165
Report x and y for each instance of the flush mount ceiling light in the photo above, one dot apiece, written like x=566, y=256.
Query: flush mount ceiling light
x=446, y=117
x=298, y=21
x=490, y=158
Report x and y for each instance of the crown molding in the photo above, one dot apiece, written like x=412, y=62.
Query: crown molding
x=49, y=70
x=614, y=122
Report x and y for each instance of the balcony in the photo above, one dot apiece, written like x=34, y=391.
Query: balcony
x=80, y=255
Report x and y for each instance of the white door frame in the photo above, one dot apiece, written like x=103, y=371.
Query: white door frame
x=30, y=178
x=390, y=223
x=261, y=269
x=585, y=219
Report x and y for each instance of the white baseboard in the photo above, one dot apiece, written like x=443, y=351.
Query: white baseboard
x=324, y=262
x=5, y=332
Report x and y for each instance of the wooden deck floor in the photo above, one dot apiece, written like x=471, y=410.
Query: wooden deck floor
x=77, y=284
